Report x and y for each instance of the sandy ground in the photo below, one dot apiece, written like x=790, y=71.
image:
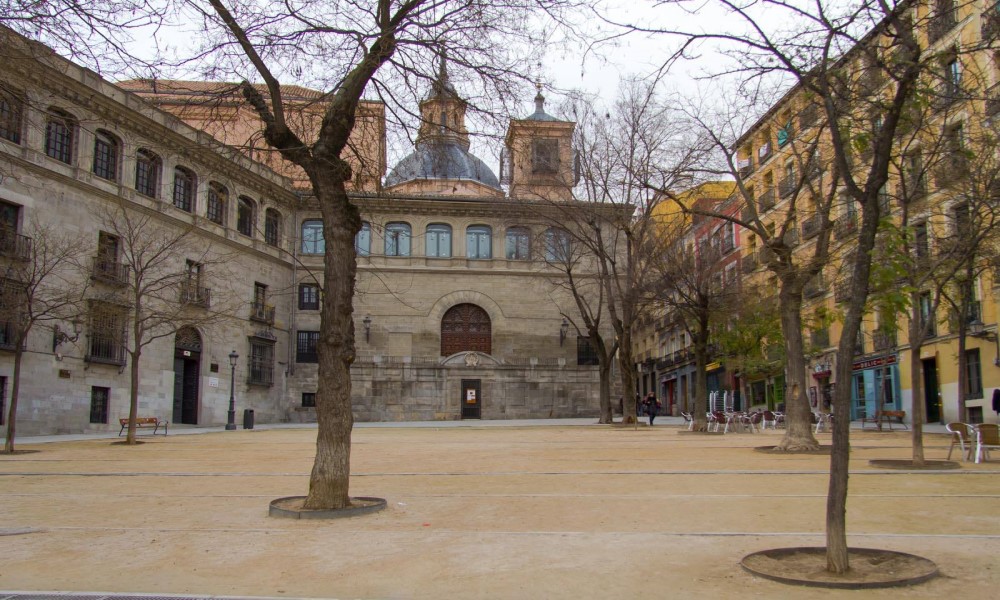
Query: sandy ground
x=484, y=512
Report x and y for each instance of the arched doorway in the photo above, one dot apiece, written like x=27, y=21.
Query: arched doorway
x=187, y=374
x=465, y=328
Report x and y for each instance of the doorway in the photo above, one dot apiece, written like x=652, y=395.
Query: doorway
x=932, y=395
x=472, y=399
x=187, y=375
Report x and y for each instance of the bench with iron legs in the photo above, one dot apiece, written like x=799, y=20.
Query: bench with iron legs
x=153, y=423
x=886, y=416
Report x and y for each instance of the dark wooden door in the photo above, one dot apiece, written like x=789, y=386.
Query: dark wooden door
x=932, y=399
x=465, y=328
x=186, y=378
x=472, y=398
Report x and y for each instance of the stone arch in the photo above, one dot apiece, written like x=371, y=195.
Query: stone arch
x=468, y=297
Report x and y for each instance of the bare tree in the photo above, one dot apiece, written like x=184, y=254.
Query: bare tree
x=39, y=286
x=343, y=47
x=157, y=277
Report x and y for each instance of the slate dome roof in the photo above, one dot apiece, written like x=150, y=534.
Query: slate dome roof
x=441, y=160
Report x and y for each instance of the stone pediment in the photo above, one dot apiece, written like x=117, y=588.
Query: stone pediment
x=470, y=359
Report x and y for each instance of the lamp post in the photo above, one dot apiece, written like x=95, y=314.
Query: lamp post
x=367, y=322
x=563, y=330
x=231, y=423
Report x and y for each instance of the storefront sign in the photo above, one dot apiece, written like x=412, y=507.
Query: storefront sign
x=872, y=363
x=712, y=366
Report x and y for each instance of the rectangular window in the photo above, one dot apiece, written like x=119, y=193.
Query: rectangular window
x=184, y=184
x=478, y=242
x=99, y=399
x=106, y=338
x=397, y=239
x=585, y=353
x=308, y=399
x=438, y=241
x=105, y=156
x=363, y=240
x=272, y=227
x=147, y=173
x=306, y=347
x=921, y=240
x=517, y=244
x=261, y=362
x=10, y=118
x=59, y=131
x=312, y=237
x=927, y=315
x=973, y=374
x=308, y=296
x=216, y=209
x=3, y=399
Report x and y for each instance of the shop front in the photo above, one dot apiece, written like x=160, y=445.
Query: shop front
x=875, y=386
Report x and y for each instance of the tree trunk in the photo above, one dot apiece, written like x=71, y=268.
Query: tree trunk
x=916, y=331
x=605, y=370
x=133, y=404
x=700, y=387
x=798, y=414
x=15, y=389
x=330, y=478
x=627, y=367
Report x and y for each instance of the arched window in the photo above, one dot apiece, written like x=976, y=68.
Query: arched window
x=465, y=328
x=272, y=227
x=478, y=242
x=557, y=245
x=312, y=237
x=218, y=198
x=147, y=173
x=363, y=240
x=517, y=244
x=60, y=135
x=185, y=183
x=11, y=117
x=397, y=239
x=106, y=152
x=439, y=240
x=245, y=216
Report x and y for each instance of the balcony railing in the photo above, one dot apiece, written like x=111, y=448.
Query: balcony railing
x=914, y=188
x=262, y=313
x=815, y=287
x=953, y=169
x=14, y=245
x=846, y=224
x=820, y=338
x=787, y=186
x=808, y=116
x=842, y=290
x=195, y=295
x=7, y=335
x=105, y=349
x=810, y=227
x=884, y=339
x=110, y=271
x=946, y=93
x=791, y=238
x=766, y=200
x=749, y=263
x=940, y=24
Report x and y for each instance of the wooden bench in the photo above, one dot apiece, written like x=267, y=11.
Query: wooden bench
x=886, y=416
x=145, y=423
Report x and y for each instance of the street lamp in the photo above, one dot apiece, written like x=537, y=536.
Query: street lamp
x=978, y=329
x=563, y=330
x=367, y=322
x=231, y=423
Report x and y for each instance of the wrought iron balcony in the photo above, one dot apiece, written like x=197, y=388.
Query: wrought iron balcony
x=820, y=338
x=953, y=169
x=262, y=313
x=105, y=349
x=766, y=200
x=749, y=263
x=14, y=245
x=884, y=339
x=940, y=24
x=815, y=287
x=842, y=290
x=846, y=224
x=810, y=227
x=110, y=271
x=195, y=295
x=786, y=186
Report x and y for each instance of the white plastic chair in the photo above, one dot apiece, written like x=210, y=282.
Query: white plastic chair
x=962, y=435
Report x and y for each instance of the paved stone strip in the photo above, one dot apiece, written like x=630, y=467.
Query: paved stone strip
x=4, y=595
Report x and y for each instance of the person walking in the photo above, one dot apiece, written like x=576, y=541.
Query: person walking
x=652, y=406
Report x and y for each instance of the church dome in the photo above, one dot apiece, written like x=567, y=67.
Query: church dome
x=441, y=159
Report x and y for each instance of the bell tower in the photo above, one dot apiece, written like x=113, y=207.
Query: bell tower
x=442, y=113
x=538, y=161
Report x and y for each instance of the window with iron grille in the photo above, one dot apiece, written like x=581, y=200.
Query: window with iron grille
x=245, y=216
x=11, y=115
x=60, y=131
x=973, y=374
x=308, y=296
x=218, y=196
x=106, y=341
x=585, y=352
x=105, y=156
x=306, y=347
x=261, y=362
x=99, y=399
x=147, y=173
x=184, y=187
x=308, y=399
x=272, y=227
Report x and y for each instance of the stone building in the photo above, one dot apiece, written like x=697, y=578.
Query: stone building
x=456, y=312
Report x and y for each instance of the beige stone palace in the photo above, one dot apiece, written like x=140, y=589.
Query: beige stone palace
x=457, y=313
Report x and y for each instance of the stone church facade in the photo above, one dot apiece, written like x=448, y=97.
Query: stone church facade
x=457, y=311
